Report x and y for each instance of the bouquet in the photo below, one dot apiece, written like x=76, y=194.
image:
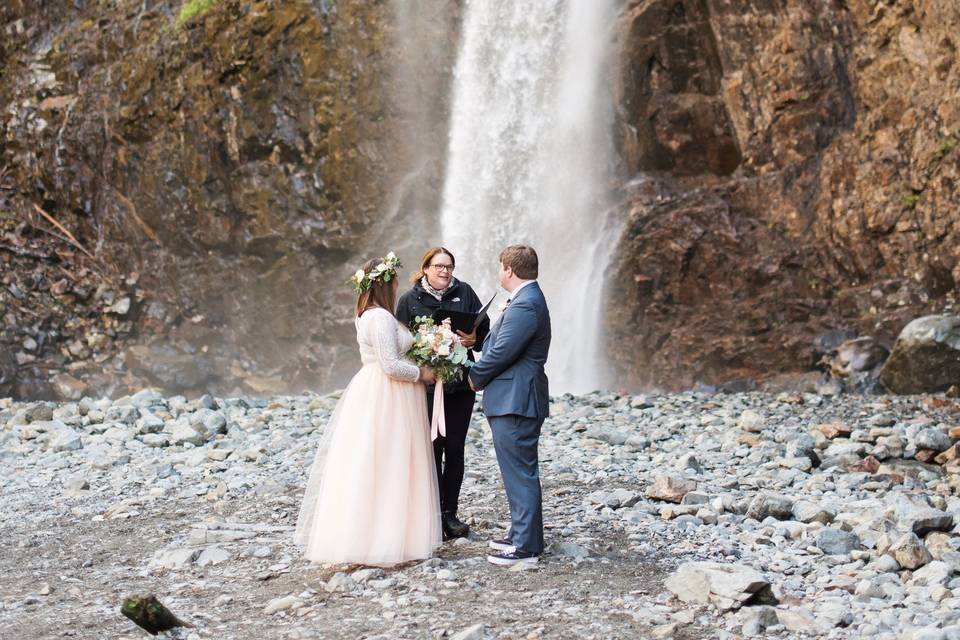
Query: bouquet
x=438, y=347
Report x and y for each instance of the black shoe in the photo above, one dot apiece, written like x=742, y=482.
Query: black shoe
x=453, y=528
x=510, y=558
x=503, y=544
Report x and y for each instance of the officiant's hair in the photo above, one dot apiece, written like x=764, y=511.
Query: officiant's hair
x=380, y=294
x=429, y=255
x=522, y=259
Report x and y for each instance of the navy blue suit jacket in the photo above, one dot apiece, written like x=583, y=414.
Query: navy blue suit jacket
x=511, y=369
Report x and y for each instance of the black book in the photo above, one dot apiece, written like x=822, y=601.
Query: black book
x=463, y=320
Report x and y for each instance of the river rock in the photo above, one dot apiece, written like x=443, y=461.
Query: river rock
x=282, y=604
x=726, y=586
x=751, y=421
x=670, y=488
x=909, y=552
x=920, y=518
x=934, y=439
x=772, y=505
x=925, y=357
x=807, y=512
x=837, y=541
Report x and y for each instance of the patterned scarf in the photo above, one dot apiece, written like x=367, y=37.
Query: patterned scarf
x=434, y=292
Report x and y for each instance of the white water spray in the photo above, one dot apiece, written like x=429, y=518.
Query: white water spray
x=528, y=160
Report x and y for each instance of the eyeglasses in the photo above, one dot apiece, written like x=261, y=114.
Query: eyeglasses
x=442, y=267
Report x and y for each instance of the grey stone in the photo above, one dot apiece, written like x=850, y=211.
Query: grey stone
x=932, y=438
x=148, y=422
x=837, y=541
x=621, y=498
x=916, y=516
x=475, y=632
x=156, y=440
x=727, y=586
x=800, y=620
x=751, y=421
x=757, y=619
x=66, y=440
x=340, y=582
x=570, y=549
x=186, y=434
x=176, y=558
x=688, y=461
x=213, y=555
x=909, y=552
x=807, y=512
x=147, y=398
x=695, y=497
x=935, y=572
x=282, y=604
x=925, y=357
x=770, y=505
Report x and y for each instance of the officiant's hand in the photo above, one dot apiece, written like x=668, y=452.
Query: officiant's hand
x=427, y=376
x=468, y=339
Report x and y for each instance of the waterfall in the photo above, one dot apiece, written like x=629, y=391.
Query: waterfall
x=528, y=160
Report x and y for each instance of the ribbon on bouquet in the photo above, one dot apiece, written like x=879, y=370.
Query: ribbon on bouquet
x=438, y=426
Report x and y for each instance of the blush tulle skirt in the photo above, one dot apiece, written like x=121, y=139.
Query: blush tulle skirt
x=372, y=494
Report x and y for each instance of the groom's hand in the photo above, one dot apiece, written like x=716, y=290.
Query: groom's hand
x=472, y=386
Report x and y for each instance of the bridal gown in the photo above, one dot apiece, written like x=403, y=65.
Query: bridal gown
x=372, y=494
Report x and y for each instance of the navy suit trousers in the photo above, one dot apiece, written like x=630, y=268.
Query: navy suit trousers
x=515, y=440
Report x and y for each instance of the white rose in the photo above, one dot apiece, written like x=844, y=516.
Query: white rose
x=381, y=267
x=444, y=350
x=391, y=256
x=358, y=275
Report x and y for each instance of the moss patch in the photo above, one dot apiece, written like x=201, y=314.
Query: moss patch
x=192, y=9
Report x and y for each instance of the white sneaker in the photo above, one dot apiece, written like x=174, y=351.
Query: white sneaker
x=508, y=559
x=503, y=545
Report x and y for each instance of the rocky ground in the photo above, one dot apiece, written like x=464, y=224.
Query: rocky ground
x=688, y=515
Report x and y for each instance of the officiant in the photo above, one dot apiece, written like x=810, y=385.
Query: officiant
x=436, y=289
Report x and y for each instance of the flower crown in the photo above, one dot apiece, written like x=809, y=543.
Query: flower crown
x=361, y=281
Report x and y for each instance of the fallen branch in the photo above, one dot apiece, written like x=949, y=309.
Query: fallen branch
x=69, y=236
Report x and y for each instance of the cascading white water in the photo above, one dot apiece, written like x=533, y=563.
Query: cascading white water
x=528, y=158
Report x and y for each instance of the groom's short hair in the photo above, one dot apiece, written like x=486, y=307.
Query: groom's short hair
x=522, y=259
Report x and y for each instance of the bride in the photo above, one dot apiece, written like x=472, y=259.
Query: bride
x=372, y=494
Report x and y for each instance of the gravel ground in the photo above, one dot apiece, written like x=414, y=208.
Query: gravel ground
x=816, y=510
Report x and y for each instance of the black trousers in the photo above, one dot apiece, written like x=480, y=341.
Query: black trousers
x=448, y=450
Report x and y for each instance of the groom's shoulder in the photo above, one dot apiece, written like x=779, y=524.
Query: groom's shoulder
x=536, y=293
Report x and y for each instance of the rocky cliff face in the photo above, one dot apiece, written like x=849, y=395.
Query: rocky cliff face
x=792, y=168
x=183, y=182
x=217, y=161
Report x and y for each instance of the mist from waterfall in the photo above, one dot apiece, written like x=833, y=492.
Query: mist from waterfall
x=529, y=154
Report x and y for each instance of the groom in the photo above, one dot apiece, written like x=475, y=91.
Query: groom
x=516, y=401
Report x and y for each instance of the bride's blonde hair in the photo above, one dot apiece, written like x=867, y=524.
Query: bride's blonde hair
x=380, y=294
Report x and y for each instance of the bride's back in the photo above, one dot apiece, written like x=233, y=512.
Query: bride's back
x=379, y=334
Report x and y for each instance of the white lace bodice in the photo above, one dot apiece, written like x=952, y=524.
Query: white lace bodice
x=383, y=341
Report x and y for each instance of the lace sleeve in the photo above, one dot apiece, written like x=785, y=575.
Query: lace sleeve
x=386, y=344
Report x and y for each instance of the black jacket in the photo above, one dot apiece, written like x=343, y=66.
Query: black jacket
x=459, y=296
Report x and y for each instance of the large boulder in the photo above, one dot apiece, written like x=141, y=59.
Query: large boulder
x=726, y=586
x=926, y=356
